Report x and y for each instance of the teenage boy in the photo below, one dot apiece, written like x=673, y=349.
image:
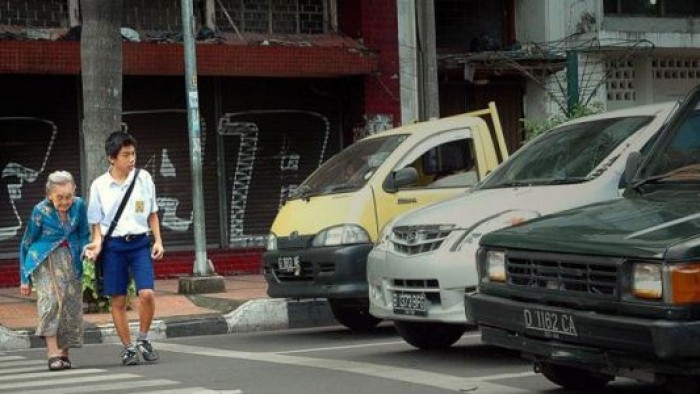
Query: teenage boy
x=128, y=250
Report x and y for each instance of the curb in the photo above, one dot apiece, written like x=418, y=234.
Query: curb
x=264, y=314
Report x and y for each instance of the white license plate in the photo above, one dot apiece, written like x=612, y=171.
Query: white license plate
x=406, y=303
x=551, y=324
x=289, y=264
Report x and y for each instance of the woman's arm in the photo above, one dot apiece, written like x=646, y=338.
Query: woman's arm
x=31, y=234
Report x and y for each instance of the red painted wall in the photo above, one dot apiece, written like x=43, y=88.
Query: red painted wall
x=380, y=32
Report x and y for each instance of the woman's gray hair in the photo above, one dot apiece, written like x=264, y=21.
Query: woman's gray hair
x=58, y=178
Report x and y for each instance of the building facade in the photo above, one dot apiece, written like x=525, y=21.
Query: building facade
x=283, y=86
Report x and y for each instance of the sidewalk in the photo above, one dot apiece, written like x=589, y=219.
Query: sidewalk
x=244, y=307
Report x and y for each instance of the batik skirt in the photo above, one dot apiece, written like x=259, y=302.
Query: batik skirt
x=60, y=301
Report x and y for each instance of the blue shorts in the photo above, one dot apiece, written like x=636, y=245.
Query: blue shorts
x=122, y=258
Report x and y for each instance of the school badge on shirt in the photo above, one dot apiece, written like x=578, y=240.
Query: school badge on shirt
x=139, y=206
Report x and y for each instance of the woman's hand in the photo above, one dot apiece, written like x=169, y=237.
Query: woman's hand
x=25, y=290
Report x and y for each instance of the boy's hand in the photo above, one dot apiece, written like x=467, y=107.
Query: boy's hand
x=92, y=250
x=157, y=251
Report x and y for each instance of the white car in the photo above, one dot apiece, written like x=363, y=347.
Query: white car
x=424, y=260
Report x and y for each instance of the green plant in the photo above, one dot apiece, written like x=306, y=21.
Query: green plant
x=101, y=303
x=533, y=128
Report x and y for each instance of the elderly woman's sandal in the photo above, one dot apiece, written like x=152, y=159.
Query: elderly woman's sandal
x=66, y=362
x=56, y=364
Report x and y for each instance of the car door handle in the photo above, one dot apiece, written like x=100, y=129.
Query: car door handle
x=409, y=200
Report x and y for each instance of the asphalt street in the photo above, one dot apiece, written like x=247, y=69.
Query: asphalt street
x=319, y=360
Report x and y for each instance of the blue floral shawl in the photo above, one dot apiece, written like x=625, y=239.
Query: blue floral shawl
x=45, y=232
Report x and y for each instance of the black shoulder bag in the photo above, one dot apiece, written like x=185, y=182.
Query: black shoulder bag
x=98, y=261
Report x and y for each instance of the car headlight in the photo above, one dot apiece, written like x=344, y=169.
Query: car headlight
x=345, y=234
x=647, y=280
x=495, y=266
x=385, y=235
x=492, y=223
x=271, y=242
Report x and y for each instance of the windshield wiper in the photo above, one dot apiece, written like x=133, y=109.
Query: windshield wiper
x=690, y=169
x=564, y=181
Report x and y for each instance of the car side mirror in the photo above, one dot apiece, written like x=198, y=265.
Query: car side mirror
x=403, y=177
x=634, y=159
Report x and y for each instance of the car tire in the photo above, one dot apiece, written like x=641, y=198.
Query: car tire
x=428, y=336
x=353, y=315
x=573, y=378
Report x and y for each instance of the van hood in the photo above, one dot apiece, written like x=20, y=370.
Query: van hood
x=479, y=206
x=309, y=216
x=659, y=225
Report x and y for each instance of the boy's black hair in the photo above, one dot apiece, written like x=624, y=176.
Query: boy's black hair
x=116, y=140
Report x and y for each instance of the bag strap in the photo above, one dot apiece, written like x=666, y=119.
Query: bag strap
x=122, y=205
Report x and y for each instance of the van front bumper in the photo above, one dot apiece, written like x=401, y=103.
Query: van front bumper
x=326, y=272
x=604, y=342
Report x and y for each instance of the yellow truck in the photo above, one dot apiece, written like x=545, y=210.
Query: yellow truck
x=320, y=239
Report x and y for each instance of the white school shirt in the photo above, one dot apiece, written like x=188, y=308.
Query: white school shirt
x=106, y=194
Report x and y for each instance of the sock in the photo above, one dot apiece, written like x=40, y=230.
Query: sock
x=129, y=346
x=142, y=336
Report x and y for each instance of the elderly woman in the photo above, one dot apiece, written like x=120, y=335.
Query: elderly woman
x=50, y=259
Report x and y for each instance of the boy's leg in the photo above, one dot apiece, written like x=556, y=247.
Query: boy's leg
x=116, y=272
x=121, y=322
x=142, y=270
x=147, y=308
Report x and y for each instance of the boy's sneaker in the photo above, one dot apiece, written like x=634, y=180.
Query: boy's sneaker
x=129, y=356
x=147, y=350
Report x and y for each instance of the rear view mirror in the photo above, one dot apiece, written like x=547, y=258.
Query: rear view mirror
x=634, y=159
x=403, y=177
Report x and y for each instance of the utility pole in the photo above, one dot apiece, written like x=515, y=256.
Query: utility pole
x=429, y=96
x=204, y=279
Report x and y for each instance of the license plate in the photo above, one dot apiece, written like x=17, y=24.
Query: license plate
x=551, y=324
x=289, y=265
x=410, y=303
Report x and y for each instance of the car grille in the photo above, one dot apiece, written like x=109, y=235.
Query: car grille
x=412, y=240
x=564, y=274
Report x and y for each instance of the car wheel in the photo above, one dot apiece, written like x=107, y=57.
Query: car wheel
x=353, y=315
x=574, y=378
x=429, y=335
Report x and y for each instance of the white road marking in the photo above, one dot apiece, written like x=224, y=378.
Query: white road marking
x=362, y=345
x=321, y=349
x=22, y=363
x=193, y=390
x=12, y=387
x=36, y=368
x=407, y=375
x=10, y=358
x=34, y=375
x=124, y=385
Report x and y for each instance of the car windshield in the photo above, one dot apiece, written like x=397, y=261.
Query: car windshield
x=350, y=169
x=678, y=158
x=567, y=154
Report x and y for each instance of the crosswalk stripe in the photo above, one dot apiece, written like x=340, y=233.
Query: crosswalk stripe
x=21, y=363
x=34, y=375
x=12, y=387
x=10, y=358
x=111, y=387
x=8, y=371
x=193, y=390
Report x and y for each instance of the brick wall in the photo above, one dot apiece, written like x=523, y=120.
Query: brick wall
x=34, y=13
